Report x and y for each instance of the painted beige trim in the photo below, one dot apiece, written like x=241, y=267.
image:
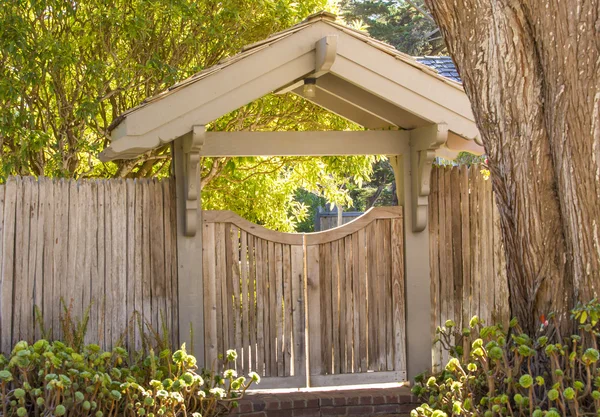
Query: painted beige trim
x=368, y=102
x=306, y=143
x=414, y=94
x=353, y=226
x=406, y=98
x=189, y=265
x=417, y=273
x=279, y=382
x=345, y=109
x=363, y=378
x=424, y=142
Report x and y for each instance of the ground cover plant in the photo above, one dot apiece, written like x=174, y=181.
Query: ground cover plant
x=51, y=378
x=68, y=378
x=496, y=371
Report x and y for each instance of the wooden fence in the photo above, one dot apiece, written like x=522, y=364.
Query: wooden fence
x=352, y=278
x=107, y=246
x=468, y=268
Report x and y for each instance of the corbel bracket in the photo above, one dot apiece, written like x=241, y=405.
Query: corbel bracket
x=192, y=146
x=325, y=53
x=423, y=143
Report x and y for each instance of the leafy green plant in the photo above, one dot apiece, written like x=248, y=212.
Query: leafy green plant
x=51, y=378
x=495, y=371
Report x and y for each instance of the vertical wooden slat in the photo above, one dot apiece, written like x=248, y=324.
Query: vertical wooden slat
x=237, y=303
x=434, y=246
x=279, y=306
x=37, y=251
x=8, y=258
x=356, y=303
x=372, y=296
x=268, y=254
x=475, y=243
x=120, y=239
x=488, y=258
x=388, y=293
x=315, y=310
x=138, y=276
x=287, y=309
x=157, y=254
x=33, y=251
x=380, y=295
x=71, y=280
x=272, y=311
x=210, y=295
x=349, y=319
x=130, y=242
x=341, y=302
x=297, y=306
x=81, y=267
x=146, y=259
x=251, y=300
x=260, y=305
x=166, y=204
x=91, y=264
x=363, y=300
x=335, y=304
x=174, y=266
x=398, y=294
x=456, y=246
x=245, y=301
x=448, y=279
x=325, y=275
x=230, y=337
x=98, y=286
x=22, y=299
x=223, y=319
x=48, y=272
x=465, y=245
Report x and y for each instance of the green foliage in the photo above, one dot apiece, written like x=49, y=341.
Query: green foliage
x=67, y=69
x=397, y=22
x=262, y=190
x=53, y=379
x=503, y=372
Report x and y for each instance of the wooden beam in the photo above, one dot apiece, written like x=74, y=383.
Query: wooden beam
x=370, y=142
x=345, y=109
x=368, y=102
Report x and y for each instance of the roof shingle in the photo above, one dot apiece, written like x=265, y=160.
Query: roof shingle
x=443, y=65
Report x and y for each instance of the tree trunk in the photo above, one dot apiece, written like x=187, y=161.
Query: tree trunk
x=531, y=69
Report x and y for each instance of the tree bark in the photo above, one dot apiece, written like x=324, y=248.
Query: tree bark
x=531, y=69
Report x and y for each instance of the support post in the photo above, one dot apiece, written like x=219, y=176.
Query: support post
x=417, y=275
x=186, y=158
x=412, y=172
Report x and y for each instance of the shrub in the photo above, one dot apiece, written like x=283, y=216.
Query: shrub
x=51, y=378
x=495, y=371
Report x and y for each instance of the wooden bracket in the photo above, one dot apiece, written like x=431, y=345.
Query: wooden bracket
x=325, y=53
x=423, y=143
x=192, y=146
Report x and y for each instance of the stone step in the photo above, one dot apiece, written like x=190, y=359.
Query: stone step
x=394, y=401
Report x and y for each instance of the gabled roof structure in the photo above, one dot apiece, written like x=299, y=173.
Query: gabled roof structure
x=357, y=77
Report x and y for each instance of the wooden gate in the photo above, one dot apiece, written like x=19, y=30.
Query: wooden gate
x=258, y=284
